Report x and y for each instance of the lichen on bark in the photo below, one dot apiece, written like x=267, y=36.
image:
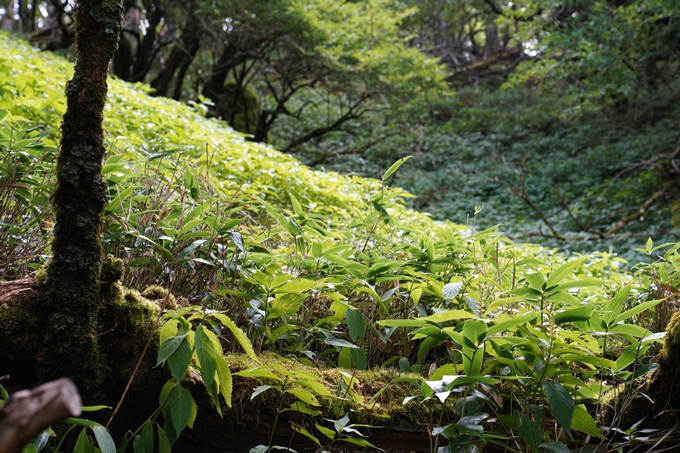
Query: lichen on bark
x=72, y=303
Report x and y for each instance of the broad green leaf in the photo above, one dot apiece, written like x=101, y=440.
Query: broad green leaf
x=358, y=358
x=531, y=431
x=637, y=309
x=296, y=204
x=145, y=440
x=561, y=272
x=512, y=322
x=355, y=324
x=339, y=342
x=628, y=356
x=182, y=407
x=583, y=422
x=444, y=316
x=474, y=331
x=575, y=314
x=169, y=329
x=286, y=305
x=305, y=396
x=296, y=286
x=615, y=306
x=207, y=356
x=163, y=442
x=536, y=281
x=561, y=404
x=326, y=432
x=630, y=329
x=238, y=334
x=460, y=380
x=318, y=387
x=304, y=432
x=83, y=443
x=180, y=360
x=169, y=347
x=578, y=284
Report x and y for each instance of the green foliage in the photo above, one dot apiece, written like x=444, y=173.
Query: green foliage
x=336, y=271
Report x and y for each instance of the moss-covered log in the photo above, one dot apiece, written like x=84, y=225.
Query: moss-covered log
x=125, y=321
x=72, y=303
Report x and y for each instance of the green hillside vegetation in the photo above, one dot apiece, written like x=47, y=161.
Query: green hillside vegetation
x=494, y=344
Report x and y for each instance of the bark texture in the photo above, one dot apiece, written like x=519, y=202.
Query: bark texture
x=72, y=304
x=28, y=412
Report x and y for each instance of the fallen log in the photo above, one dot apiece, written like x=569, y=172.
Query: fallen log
x=29, y=412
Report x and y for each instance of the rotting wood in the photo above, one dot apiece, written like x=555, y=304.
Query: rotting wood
x=29, y=412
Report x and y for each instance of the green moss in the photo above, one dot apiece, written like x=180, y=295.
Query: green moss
x=159, y=295
x=384, y=409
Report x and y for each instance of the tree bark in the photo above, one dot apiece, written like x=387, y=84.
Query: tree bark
x=72, y=302
x=29, y=412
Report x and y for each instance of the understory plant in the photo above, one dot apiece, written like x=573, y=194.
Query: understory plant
x=517, y=344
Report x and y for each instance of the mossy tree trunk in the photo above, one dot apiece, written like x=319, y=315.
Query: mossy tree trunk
x=72, y=302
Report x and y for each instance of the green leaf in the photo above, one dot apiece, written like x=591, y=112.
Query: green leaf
x=104, y=439
x=259, y=372
x=360, y=442
x=576, y=314
x=444, y=316
x=286, y=305
x=561, y=272
x=305, y=396
x=207, y=356
x=299, y=406
x=318, y=387
x=637, y=309
x=182, y=407
x=355, y=324
x=561, y=404
x=615, y=306
x=225, y=380
x=420, y=322
x=536, y=281
x=296, y=204
x=503, y=326
x=554, y=447
x=163, y=442
x=83, y=443
x=145, y=441
x=326, y=432
x=460, y=380
x=531, y=431
x=578, y=284
x=168, y=348
x=475, y=332
x=583, y=422
x=180, y=360
x=304, y=432
x=395, y=166
x=238, y=334
x=358, y=358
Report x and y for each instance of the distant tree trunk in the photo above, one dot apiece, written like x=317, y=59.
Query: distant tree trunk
x=181, y=57
x=72, y=302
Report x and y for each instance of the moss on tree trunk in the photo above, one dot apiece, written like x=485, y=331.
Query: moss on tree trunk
x=71, y=308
